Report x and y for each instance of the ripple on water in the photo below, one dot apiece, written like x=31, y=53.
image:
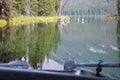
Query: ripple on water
x=95, y=50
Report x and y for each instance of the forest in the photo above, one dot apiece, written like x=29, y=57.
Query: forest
x=33, y=39
x=12, y=8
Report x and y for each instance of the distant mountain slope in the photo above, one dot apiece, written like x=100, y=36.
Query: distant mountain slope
x=91, y=7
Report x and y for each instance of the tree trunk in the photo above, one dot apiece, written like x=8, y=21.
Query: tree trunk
x=5, y=8
x=27, y=7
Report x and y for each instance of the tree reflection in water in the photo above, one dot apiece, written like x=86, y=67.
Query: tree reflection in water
x=34, y=42
x=118, y=36
x=5, y=53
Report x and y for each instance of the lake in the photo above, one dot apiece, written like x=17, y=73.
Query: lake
x=49, y=45
x=90, y=40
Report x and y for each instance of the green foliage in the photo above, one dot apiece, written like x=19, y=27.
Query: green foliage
x=44, y=7
x=57, y=6
x=118, y=5
x=13, y=8
x=34, y=7
x=18, y=6
x=37, y=7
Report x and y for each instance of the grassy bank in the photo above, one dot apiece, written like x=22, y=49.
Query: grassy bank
x=28, y=20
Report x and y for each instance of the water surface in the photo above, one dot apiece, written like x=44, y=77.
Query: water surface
x=83, y=39
x=90, y=39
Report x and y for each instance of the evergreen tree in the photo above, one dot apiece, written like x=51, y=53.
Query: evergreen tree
x=28, y=7
x=18, y=7
x=118, y=5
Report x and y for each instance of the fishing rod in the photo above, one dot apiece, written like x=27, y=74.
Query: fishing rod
x=70, y=65
x=15, y=64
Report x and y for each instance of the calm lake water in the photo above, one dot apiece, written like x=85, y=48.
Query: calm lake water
x=87, y=39
x=90, y=40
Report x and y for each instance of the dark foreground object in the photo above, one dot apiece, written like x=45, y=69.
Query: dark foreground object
x=26, y=74
x=18, y=70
